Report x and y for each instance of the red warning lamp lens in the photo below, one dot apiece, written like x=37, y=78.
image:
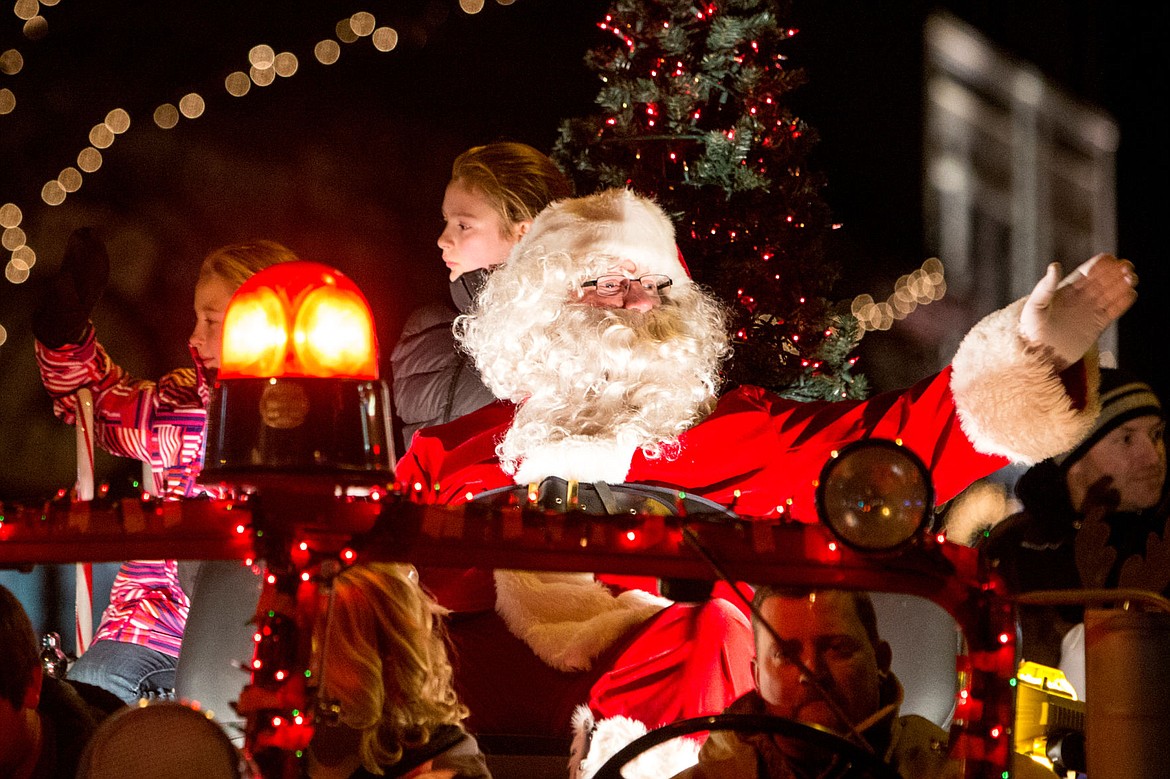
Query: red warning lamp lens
x=258, y=339
x=333, y=334
x=299, y=319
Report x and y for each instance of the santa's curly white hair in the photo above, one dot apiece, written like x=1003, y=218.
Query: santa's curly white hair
x=594, y=384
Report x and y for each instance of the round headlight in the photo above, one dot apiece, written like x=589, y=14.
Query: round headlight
x=875, y=495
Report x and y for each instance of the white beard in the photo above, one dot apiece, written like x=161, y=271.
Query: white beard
x=609, y=382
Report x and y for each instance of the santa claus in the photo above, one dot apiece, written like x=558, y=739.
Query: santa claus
x=605, y=357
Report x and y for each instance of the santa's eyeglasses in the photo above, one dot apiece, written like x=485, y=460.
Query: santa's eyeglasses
x=608, y=286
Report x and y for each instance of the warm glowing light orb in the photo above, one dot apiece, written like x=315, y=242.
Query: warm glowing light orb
x=11, y=62
x=26, y=9
x=166, y=116
x=24, y=254
x=344, y=31
x=118, y=120
x=385, y=39
x=89, y=159
x=10, y=215
x=12, y=237
x=259, y=336
x=191, y=106
x=262, y=77
x=285, y=64
x=261, y=56
x=53, y=193
x=362, y=23
x=36, y=28
x=101, y=136
x=299, y=319
x=237, y=84
x=333, y=331
x=70, y=179
x=327, y=52
x=16, y=271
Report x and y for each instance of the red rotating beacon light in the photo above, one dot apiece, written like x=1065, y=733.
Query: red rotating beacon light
x=298, y=400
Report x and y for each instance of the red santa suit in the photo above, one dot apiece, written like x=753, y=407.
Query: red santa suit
x=767, y=449
x=998, y=402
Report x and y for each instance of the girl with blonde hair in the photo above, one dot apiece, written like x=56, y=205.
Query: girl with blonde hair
x=136, y=646
x=387, y=674
x=495, y=192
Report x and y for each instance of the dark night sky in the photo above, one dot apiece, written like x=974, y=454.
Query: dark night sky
x=346, y=164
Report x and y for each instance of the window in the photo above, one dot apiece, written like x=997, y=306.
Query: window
x=1016, y=173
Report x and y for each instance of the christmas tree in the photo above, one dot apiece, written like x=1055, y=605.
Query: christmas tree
x=694, y=113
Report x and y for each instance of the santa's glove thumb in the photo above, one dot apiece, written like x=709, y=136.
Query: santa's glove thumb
x=1064, y=318
x=62, y=315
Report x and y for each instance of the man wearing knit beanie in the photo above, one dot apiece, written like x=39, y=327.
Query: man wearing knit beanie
x=1092, y=517
x=1124, y=445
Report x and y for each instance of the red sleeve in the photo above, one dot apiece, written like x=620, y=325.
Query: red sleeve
x=757, y=453
x=446, y=463
x=762, y=455
x=129, y=413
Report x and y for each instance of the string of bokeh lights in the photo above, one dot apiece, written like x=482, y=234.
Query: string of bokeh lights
x=35, y=28
x=918, y=288
x=265, y=66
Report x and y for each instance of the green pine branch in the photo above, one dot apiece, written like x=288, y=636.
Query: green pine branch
x=693, y=110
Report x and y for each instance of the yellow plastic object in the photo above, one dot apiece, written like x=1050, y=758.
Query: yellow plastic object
x=1046, y=705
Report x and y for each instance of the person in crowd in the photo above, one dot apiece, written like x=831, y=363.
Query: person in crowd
x=135, y=649
x=830, y=668
x=1093, y=517
x=495, y=192
x=45, y=723
x=388, y=681
x=606, y=356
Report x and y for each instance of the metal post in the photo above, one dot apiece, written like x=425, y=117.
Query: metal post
x=1127, y=723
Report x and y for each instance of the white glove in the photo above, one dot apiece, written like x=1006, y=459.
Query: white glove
x=1065, y=318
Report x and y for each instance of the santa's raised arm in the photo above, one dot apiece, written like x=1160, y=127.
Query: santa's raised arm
x=606, y=359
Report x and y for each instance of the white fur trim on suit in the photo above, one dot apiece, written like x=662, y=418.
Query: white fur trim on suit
x=579, y=458
x=1010, y=400
x=569, y=619
x=605, y=738
x=614, y=223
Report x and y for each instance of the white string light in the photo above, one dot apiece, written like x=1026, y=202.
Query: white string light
x=920, y=288
x=264, y=66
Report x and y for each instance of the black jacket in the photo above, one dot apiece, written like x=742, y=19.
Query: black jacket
x=1036, y=550
x=433, y=381
x=450, y=747
x=70, y=713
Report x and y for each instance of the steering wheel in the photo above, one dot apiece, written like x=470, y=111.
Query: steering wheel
x=855, y=761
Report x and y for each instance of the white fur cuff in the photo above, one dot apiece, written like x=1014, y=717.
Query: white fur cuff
x=1009, y=399
x=596, y=741
x=569, y=619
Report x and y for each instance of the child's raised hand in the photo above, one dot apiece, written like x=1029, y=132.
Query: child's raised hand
x=63, y=313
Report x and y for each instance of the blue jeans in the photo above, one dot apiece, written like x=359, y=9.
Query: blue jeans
x=129, y=671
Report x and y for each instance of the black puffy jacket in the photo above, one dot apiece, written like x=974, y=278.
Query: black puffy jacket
x=433, y=381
